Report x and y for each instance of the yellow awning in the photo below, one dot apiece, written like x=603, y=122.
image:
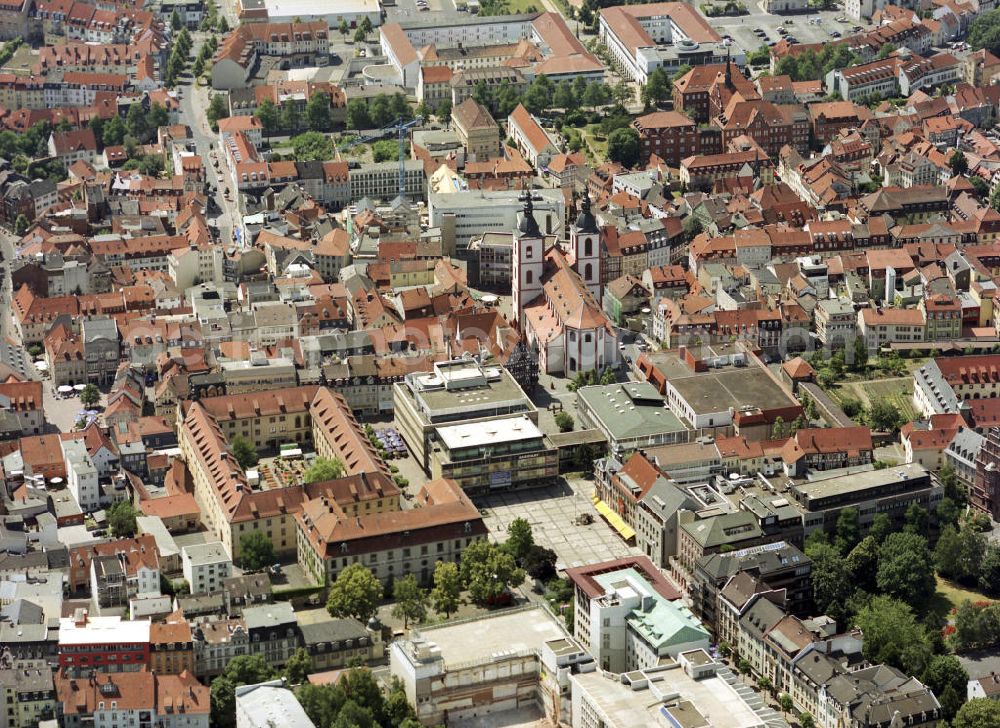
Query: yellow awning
x=616, y=521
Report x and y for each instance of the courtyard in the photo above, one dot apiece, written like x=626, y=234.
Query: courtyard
x=552, y=512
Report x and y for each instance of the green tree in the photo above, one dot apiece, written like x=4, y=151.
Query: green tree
x=831, y=580
x=893, y=635
x=298, y=667
x=135, y=122
x=984, y=32
x=244, y=451
x=564, y=98
x=121, y=519
x=692, y=227
x=778, y=428
x=507, y=99
x=90, y=395
x=623, y=147
x=241, y=670
x=519, y=539
x=445, y=596
x=785, y=702
x=322, y=703
x=355, y=593
x=538, y=97
x=482, y=95
x=886, y=50
x=318, y=112
x=323, y=469
x=906, y=569
x=948, y=679
x=488, y=571
x=980, y=185
x=217, y=109
x=223, y=25
x=291, y=121
x=959, y=554
x=344, y=28
x=444, y=110
x=860, y=355
x=807, y=721
x=597, y=95
x=267, y=114
x=21, y=225
x=540, y=563
x=256, y=551
x=657, y=88
x=980, y=712
x=385, y=150
x=681, y=72
x=113, y=131
x=881, y=527
x=608, y=376
x=848, y=530
x=862, y=564
x=175, y=21
x=958, y=163
x=359, y=36
x=989, y=571
x=917, y=519
x=884, y=416
x=366, y=25
x=357, y=115
x=411, y=600
x=564, y=421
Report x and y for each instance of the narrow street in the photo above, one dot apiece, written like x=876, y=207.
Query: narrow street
x=193, y=107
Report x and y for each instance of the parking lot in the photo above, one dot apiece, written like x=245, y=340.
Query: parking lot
x=552, y=513
x=409, y=10
x=741, y=29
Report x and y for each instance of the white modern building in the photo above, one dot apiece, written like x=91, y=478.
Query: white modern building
x=641, y=38
x=353, y=11
x=205, y=565
x=632, y=626
x=81, y=475
x=465, y=215
x=269, y=704
x=515, y=659
x=693, y=691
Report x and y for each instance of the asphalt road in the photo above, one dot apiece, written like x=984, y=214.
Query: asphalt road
x=193, y=105
x=7, y=328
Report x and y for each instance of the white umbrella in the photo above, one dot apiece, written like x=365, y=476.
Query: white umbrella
x=55, y=481
x=79, y=387
x=65, y=389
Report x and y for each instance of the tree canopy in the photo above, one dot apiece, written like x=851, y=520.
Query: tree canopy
x=893, y=635
x=244, y=451
x=311, y=146
x=121, y=519
x=323, y=469
x=355, y=593
x=978, y=713
x=446, y=594
x=906, y=569
x=356, y=701
x=623, y=146
x=488, y=571
x=240, y=670
x=984, y=32
x=256, y=551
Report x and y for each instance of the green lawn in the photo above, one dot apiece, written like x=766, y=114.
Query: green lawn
x=898, y=390
x=516, y=7
x=598, y=142
x=950, y=596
